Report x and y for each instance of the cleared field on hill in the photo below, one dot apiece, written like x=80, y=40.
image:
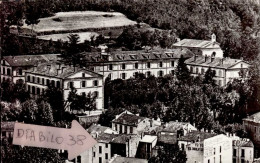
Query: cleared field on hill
x=77, y=20
x=64, y=36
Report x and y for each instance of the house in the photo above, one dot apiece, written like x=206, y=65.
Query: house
x=14, y=67
x=7, y=130
x=145, y=147
x=129, y=123
x=204, y=47
x=120, y=159
x=252, y=126
x=204, y=147
x=243, y=150
x=226, y=69
x=126, y=64
x=64, y=77
x=174, y=127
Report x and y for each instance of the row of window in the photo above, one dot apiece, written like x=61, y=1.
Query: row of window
x=35, y=90
x=43, y=81
x=214, y=159
x=148, y=73
x=242, y=152
x=8, y=72
x=196, y=71
x=83, y=84
x=136, y=65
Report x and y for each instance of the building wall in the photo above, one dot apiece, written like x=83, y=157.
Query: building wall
x=130, y=69
x=218, y=148
x=248, y=154
x=94, y=154
x=208, y=52
x=194, y=156
x=125, y=128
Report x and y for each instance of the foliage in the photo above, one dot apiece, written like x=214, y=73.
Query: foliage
x=107, y=117
x=182, y=71
x=209, y=75
x=169, y=153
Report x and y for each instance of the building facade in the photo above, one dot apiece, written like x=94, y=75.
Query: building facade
x=243, y=151
x=64, y=77
x=14, y=67
x=252, y=126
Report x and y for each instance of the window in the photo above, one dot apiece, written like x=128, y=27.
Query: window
x=208, y=160
x=214, y=160
x=106, y=156
x=242, y=153
x=125, y=130
x=160, y=73
x=58, y=84
x=214, y=151
x=120, y=129
x=136, y=65
x=100, y=149
x=241, y=65
x=8, y=71
x=242, y=160
x=148, y=73
x=83, y=75
x=33, y=79
x=191, y=69
x=33, y=90
x=220, y=158
x=100, y=159
x=53, y=83
x=148, y=65
x=220, y=149
x=182, y=146
x=202, y=71
x=20, y=72
x=83, y=84
x=71, y=84
x=123, y=66
x=106, y=145
x=172, y=63
x=48, y=82
x=38, y=91
x=197, y=70
x=160, y=64
x=234, y=152
x=96, y=94
x=29, y=89
x=110, y=67
x=79, y=159
x=43, y=81
x=131, y=130
x=172, y=72
x=28, y=78
x=95, y=83
x=234, y=160
x=135, y=74
x=94, y=154
x=123, y=75
x=42, y=90
x=38, y=80
x=220, y=73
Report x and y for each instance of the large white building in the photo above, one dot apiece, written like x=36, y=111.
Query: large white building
x=64, y=77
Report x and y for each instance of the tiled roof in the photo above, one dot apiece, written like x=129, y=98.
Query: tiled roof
x=129, y=119
x=118, y=56
x=122, y=138
x=195, y=135
x=106, y=138
x=7, y=125
x=30, y=60
x=120, y=159
x=255, y=117
x=168, y=139
x=174, y=126
x=195, y=43
x=217, y=62
x=52, y=68
x=243, y=143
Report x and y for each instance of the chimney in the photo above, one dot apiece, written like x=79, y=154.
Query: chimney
x=213, y=38
x=48, y=68
x=206, y=58
x=195, y=57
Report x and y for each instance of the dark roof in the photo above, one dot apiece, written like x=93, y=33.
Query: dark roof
x=129, y=119
x=195, y=135
x=193, y=43
x=118, y=56
x=122, y=138
x=105, y=138
x=120, y=159
x=167, y=139
x=7, y=125
x=217, y=62
x=51, y=69
x=30, y=60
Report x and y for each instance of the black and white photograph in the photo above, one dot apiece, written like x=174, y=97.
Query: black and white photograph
x=130, y=81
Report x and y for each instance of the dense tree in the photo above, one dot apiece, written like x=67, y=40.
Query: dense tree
x=32, y=15
x=182, y=71
x=208, y=77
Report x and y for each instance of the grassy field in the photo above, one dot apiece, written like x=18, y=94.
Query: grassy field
x=78, y=20
x=64, y=36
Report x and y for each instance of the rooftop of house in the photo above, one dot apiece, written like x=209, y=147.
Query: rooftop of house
x=30, y=60
x=118, y=56
x=120, y=159
x=122, y=138
x=254, y=117
x=7, y=126
x=196, y=136
x=167, y=139
x=128, y=119
x=193, y=43
x=94, y=128
x=243, y=143
x=216, y=62
x=105, y=138
x=173, y=126
x=60, y=70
